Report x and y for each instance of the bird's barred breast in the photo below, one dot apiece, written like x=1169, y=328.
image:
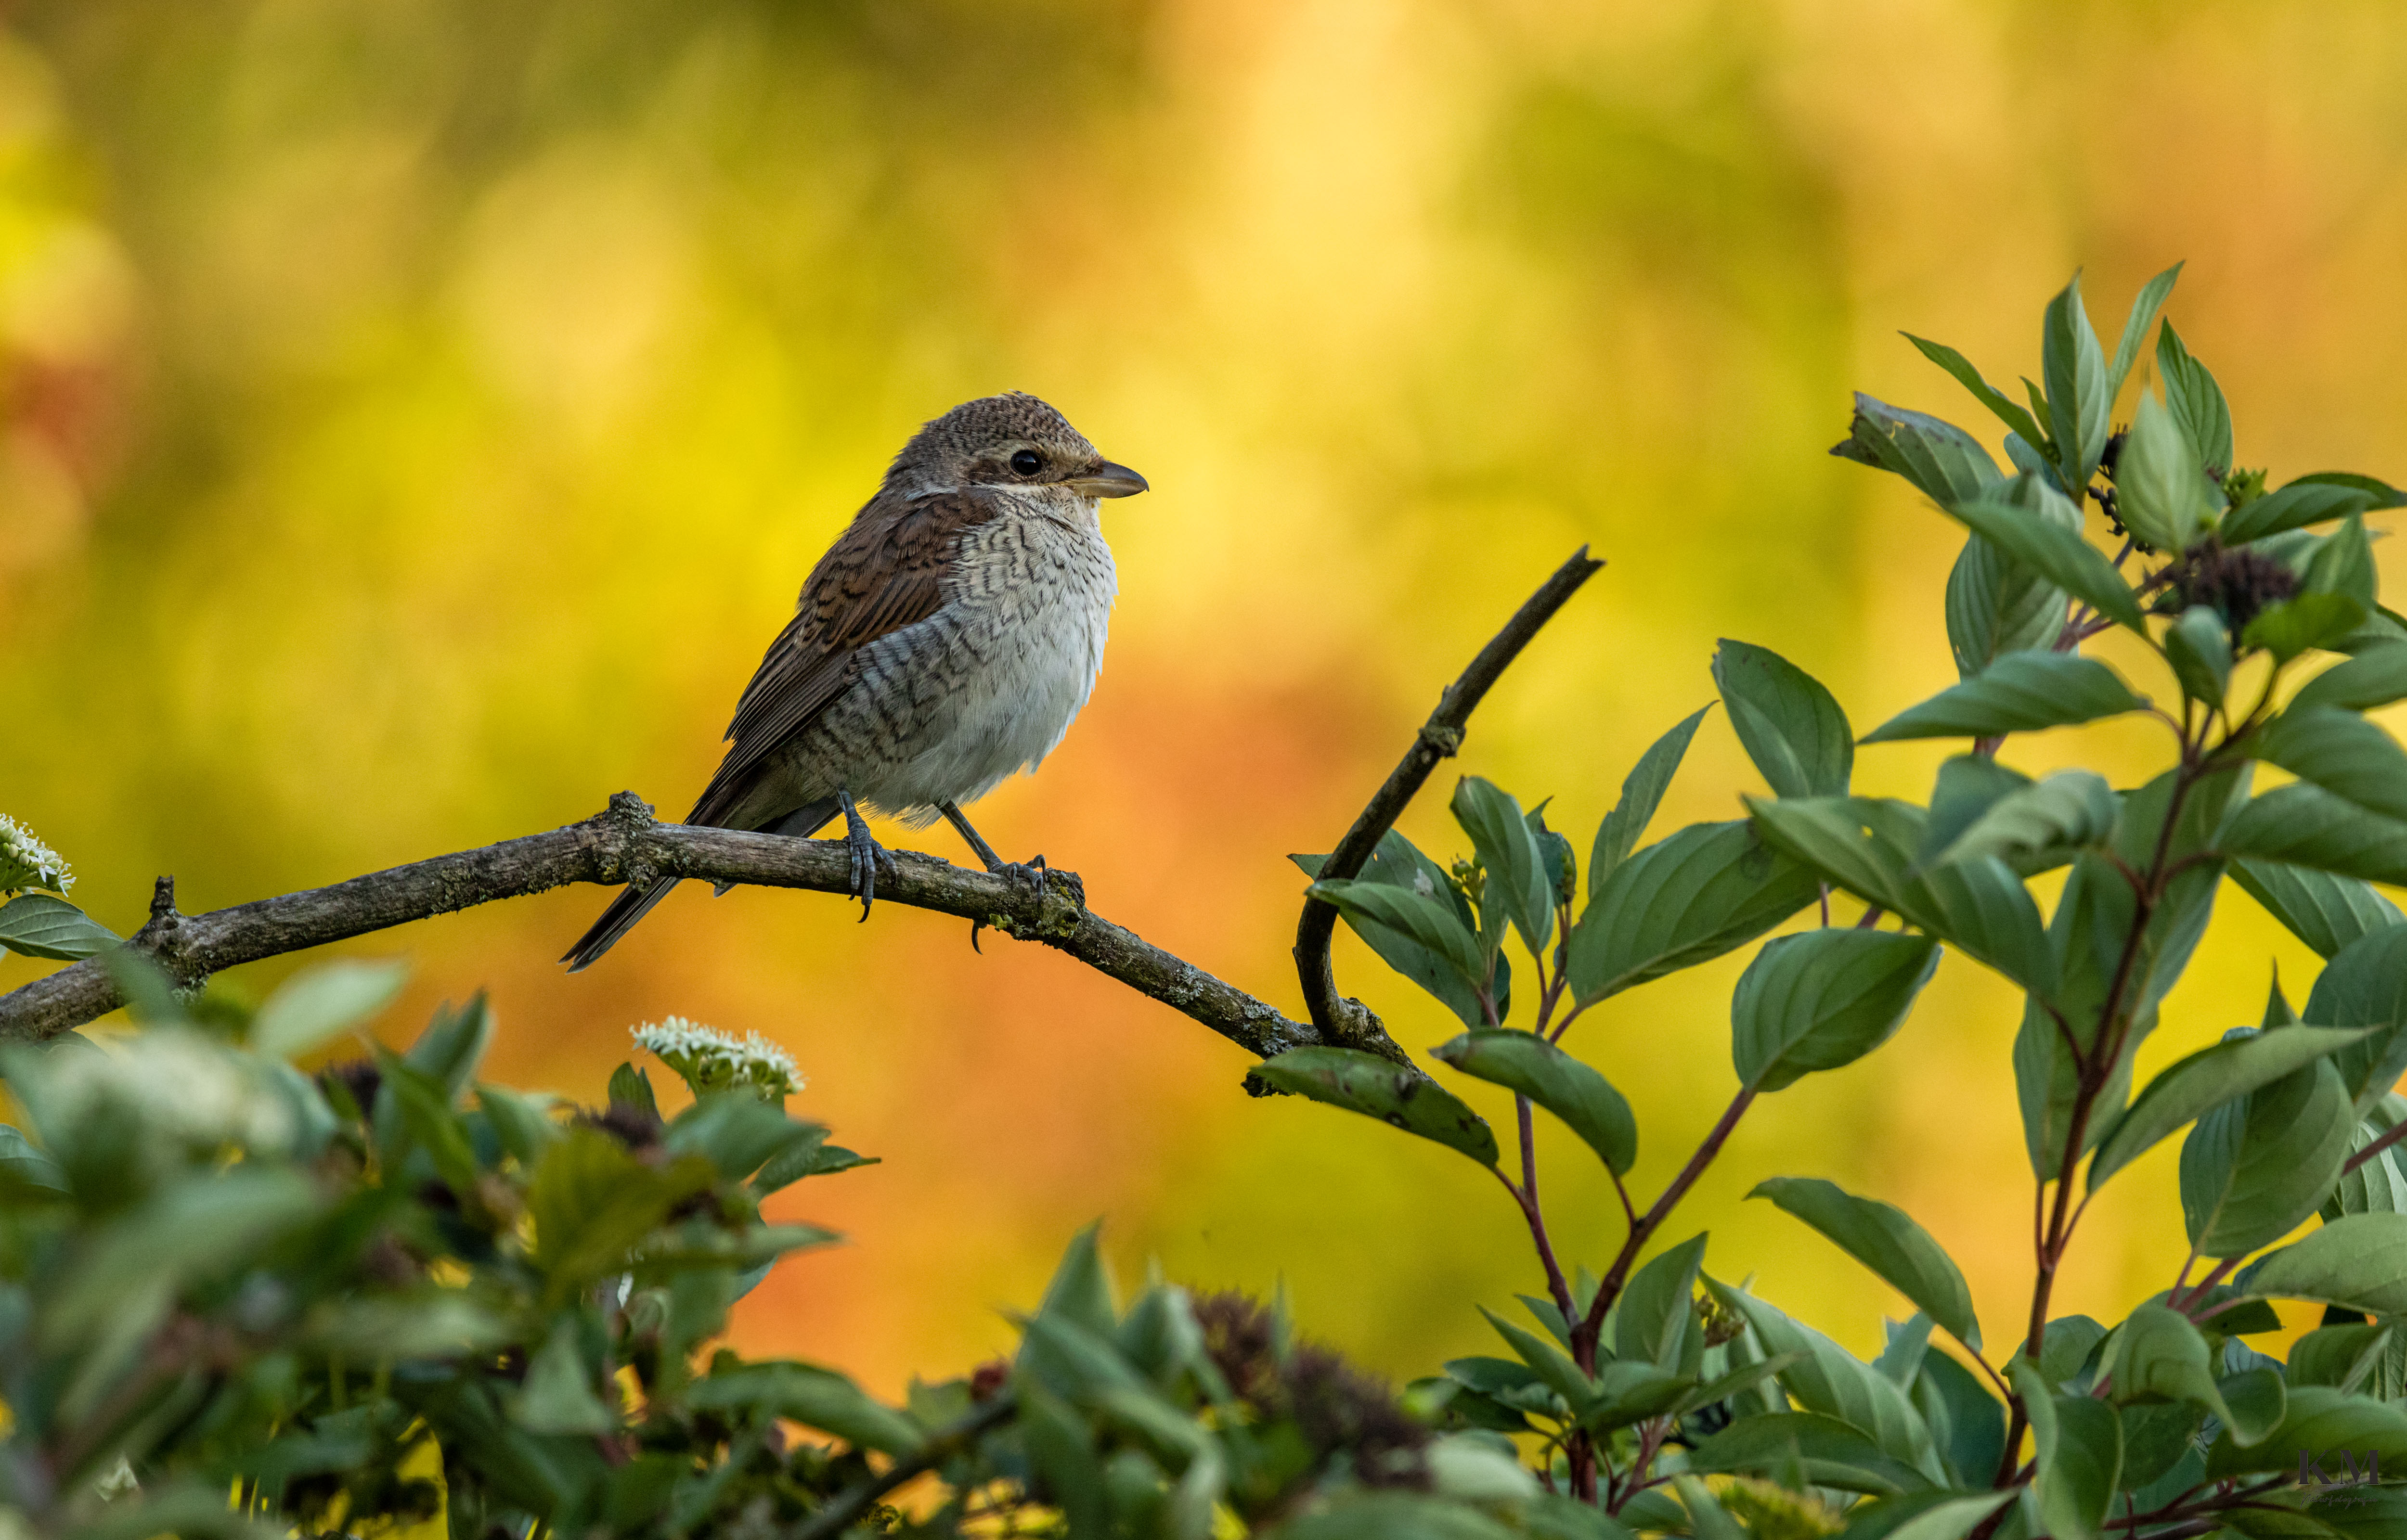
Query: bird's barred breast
x=946, y=709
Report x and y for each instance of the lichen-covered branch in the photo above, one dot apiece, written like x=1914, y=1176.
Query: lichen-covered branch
x=625, y=845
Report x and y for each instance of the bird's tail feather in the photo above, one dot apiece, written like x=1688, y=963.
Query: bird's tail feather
x=630, y=905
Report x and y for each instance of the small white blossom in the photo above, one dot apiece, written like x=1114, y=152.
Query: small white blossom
x=26, y=862
x=712, y=1059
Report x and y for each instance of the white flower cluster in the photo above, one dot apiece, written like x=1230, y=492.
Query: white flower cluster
x=712, y=1059
x=26, y=862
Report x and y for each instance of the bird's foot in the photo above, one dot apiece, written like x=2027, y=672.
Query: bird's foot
x=868, y=857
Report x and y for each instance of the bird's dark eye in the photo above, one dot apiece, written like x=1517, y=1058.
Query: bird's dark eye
x=1027, y=462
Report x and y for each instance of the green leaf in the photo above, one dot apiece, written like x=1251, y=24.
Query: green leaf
x=23, y=1168
x=2252, y=1169
x=2078, y=400
x=2144, y=307
x=1975, y=1432
x=2294, y=507
x=1867, y=845
x=1823, y=1000
x=1080, y=1290
x=1550, y=1361
x=2157, y=1352
x=2297, y=624
x=2365, y=985
x=2342, y=1357
x=1942, y=460
x=1706, y=890
x=2382, y=492
x=2160, y=487
x=2375, y=677
x=1652, y=1320
x=1519, y=884
x=1995, y=605
x=2012, y=416
x=1823, y=1449
x=1398, y=863
x=453, y=1044
x=2340, y=752
x=2057, y=554
x=2018, y=693
x=1642, y=793
x=2192, y=1086
x=736, y=1132
x=2195, y=400
x=1707, y=1519
x=1379, y=1088
x=423, y=1117
x=2343, y=563
x=1886, y=1241
x=2067, y=809
x=2317, y=1424
x=36, y=924
x=2325, y=910
x=317, y=1003
x=592, y=1202
x=2357, y=1261
x=817, y=1398
x=2199, y=650
x=1828, y=1380
x=2304, y=826
x=2077, y=1450
x=1384, y=1516
x=1969, y=786
x=1423, y=919
x=1061, y=1453
x=1585, y=1102
x=1789, y=724
x=558, y=1396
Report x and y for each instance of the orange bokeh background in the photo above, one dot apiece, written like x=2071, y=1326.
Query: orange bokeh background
x=417, y=420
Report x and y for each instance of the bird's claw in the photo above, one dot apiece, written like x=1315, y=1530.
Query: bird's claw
x=867, y=858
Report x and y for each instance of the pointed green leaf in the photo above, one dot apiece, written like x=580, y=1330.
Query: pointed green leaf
x=2357, y=1261
x=2194, y=1085
x=2144, y=307
x=2157, y=1352
x=2365, y=985
x=1825, y=1450
x=1423, y=919
x=1943, y=462
x=2018, y=693
x=1520, y=881
x=2293, y=507
x=1789, y=724
x=2013, y=416
x=1823, y=1000
x=2298, y=625
x=2375, y=677
x=2326, y=910
x=2077, y=1454
x=1379, y=1088
x=36, y=924
x=2196, y=401
x=1828, y=1380
x=2078, y=400
x=2340, y=752
x=2059, y=555
x=1706, y=890
x=1886, y=1241
x=1652, y=1318
x=2199, y=650
x=2317, y=1424
x=1642, y=793
x=2254, y=1168
x=2160, y=486
x=1585, y=1102
x=2069, y=808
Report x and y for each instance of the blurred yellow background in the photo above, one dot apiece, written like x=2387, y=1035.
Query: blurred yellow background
x=419, y=418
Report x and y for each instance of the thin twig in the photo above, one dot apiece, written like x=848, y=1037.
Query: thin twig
x=834, y=1518
x=620, y=845
x=1438, y=739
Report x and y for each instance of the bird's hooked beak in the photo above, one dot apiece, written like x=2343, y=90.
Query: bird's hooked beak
x=1107, y=480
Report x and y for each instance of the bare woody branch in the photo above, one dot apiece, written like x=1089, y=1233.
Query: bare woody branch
x=623, y=844
x=1346, y=1022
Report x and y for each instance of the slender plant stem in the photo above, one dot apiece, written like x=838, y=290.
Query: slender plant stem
x=840, y=1512
x=2389, y=1137
x=1535, y=1211
x=1590, y=1327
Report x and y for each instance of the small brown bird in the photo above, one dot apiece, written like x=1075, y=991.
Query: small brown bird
x=942, y=644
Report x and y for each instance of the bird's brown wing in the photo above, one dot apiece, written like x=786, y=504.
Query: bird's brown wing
x=887, y=570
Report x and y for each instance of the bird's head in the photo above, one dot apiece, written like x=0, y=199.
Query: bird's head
x=1009, y=442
